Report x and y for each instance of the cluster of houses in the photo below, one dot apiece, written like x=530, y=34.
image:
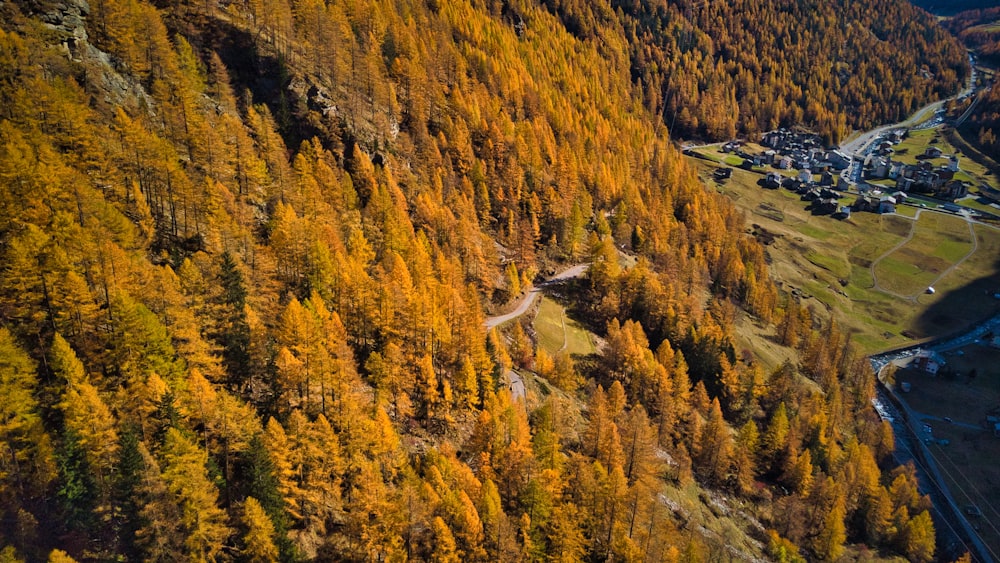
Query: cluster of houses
x=819, y=179
x=792, y=149
x=823, y=196
x=888, y=140
x=923, y=177
x=788, y=150
x=804, y=179
x=876, y=201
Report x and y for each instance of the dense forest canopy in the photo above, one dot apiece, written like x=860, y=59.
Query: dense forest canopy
x=247, y=250
x=714, y=69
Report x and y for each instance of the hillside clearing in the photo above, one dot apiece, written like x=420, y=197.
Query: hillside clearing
x=559, y=333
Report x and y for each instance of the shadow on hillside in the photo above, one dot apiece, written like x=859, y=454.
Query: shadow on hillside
x=961, y=308
x=253, y=67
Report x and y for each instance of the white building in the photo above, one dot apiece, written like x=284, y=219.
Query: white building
x=929, y=361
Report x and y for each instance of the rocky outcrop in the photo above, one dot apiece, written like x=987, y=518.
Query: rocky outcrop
x=68, y=21
x=115, y=88
x=67, y=18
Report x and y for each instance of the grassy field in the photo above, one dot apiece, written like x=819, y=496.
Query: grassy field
x=917, y=142
x=557, y=332
x=938, y=242
x=835, y=266
x=967, y=291
x=987, y=27
x=899, y=273
x=958, y=138
x=828, y=261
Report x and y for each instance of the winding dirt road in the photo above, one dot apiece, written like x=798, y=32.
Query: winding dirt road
x=529, y=297
x=975, y=247
x=514, y=381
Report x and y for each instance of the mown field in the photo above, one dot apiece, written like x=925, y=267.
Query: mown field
x=938, y=242
x=557, y=332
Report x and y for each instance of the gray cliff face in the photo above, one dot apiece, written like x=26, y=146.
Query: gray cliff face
x=67, y=18
x=68, y=21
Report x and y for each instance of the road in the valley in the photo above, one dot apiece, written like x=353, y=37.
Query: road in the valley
x=907, y=446
x=911, y=432
x=912, y=435
x=858, y=144
x=862, y=145
x=908, y=426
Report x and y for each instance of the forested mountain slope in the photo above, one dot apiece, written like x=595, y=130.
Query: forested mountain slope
x=978, y=30
x=984, y=123
x=246, y=252
x=712, y=69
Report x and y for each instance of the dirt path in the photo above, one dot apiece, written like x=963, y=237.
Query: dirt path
x=909, y=236
x=562, y=318
x=948, y=270
x=529, y=297
x=515, y=383
x=975, y=247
